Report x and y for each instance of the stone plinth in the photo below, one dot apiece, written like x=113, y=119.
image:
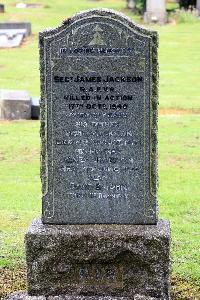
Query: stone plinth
x=14, y=105
x=98, y=260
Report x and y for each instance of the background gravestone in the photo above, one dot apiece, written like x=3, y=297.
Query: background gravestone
x=14, y=105
x=130, y=4
x=198, y=6
x=155, y=11
x=13, y=33
x=10, y=38
x=99, y=75
x=17, y=25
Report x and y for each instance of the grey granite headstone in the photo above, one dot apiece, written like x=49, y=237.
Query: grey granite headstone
x=14, y=105
x=99, y=111
x=155, y=11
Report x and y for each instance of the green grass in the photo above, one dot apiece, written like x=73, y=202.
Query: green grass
x=179, y=66
x=179, y=192
x=19, y=186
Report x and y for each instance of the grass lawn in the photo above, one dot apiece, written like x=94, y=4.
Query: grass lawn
x=179, y=142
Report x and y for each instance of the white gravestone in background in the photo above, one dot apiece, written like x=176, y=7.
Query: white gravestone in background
x=130, y=4
x=155, y=11
x=10, y=38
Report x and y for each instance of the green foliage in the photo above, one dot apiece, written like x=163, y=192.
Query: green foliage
x=140, y=6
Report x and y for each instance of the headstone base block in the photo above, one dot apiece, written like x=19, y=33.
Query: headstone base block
x=98, y=260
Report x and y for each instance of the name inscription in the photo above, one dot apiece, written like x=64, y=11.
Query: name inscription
x=98, y=79
x=107, y=275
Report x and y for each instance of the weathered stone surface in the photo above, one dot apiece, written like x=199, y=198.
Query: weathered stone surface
x=98, y=260
x=14, y=105
x=24, y=296
x=155, y=12
x=99, y=75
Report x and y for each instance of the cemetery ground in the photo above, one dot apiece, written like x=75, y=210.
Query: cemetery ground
x=178, y=143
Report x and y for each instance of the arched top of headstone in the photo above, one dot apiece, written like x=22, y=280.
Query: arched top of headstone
x=88, y=28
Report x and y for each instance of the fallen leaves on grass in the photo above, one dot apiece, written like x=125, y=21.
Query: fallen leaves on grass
x=184, y=290
x=12, y=280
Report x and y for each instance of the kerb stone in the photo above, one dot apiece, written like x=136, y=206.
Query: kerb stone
x=98, y=260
